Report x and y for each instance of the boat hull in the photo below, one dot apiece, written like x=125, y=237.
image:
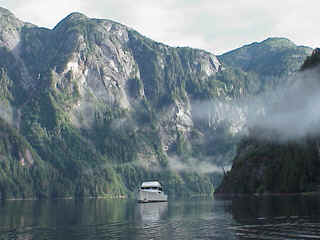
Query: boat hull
x=151, y=196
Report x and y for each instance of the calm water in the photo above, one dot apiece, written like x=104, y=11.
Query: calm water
x=242, y=218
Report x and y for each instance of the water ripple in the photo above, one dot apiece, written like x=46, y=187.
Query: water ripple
x=292, y=227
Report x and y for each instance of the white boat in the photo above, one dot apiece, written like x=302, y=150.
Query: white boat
x=151, y=192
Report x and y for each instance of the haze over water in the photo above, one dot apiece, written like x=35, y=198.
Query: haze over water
x=243, y=218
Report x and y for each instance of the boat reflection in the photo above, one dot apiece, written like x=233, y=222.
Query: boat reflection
x=152, y=211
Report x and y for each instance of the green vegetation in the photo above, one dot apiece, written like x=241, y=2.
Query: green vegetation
x=272, y=59
x=312, y=61
x=266, y=167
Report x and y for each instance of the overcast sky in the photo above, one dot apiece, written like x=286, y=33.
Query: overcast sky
x=214, y=25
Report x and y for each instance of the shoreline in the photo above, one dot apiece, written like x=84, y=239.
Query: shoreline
x=67, y=198
x=235, y=195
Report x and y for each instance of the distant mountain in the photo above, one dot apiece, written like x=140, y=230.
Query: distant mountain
x=272, y=59
x=92, y=107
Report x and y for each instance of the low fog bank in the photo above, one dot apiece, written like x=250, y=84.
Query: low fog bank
x=291, y=111
x=194, y=165
x=10, y=114
x=296, y=112
x=6, y=113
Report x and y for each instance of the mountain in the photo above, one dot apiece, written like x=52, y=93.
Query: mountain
x=282, y=157
x=92, y=107
x=273, y=59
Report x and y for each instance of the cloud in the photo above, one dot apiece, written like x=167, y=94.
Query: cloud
x=216, y=26
x=296, y=113
x=290, y=112
x=194, y=165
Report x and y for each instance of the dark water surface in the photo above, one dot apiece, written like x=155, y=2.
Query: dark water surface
x=289, y=217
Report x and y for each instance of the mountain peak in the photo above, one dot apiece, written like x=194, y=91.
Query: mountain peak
x=75, y=16
x=71, y=18
x=273, y=39
x=263, y=57
x=278, y=42
x=8, y=20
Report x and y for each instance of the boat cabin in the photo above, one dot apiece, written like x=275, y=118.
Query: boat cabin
x=151, y=186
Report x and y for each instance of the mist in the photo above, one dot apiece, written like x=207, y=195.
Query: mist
x=10, y=114
x=292, y=111
x=6, y=113
x=193, y=165
x=296, y=112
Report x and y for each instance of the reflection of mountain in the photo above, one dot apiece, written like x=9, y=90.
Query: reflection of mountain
x=250, y=209
x=280, y=217
x=152, y=211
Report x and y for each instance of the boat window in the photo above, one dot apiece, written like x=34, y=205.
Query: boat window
x=152, y=188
